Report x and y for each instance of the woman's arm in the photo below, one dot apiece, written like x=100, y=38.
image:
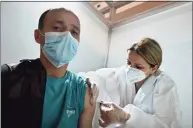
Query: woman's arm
x=166, y=110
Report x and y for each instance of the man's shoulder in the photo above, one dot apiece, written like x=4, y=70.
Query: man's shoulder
x=7, y=70
x=79, y=87
x=28, y=63
x=78, y=80
x=12, y=66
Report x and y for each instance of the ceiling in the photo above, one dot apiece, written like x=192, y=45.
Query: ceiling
x=117, y=13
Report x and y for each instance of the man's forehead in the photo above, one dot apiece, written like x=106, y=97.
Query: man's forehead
x=57, y=16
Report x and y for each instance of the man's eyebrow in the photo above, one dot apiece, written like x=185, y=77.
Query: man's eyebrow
x=73, y=25
x=59, y=22
x=76, y=27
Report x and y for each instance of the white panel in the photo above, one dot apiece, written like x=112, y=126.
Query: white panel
x=20, y=19
x=173, y=30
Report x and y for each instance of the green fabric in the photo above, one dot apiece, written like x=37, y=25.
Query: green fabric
x=63, y=101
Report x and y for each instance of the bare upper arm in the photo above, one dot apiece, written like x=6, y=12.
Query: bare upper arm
x=86, y=117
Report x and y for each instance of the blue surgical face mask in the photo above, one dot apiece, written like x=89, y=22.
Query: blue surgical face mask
x=59, y=48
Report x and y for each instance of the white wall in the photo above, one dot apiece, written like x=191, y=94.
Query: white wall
x=173, y=30
x=19, y=19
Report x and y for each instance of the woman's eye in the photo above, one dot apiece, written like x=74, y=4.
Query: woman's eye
x=139, y=67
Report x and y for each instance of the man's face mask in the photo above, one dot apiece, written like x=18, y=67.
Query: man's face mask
x=59, y=48
x=135, y=75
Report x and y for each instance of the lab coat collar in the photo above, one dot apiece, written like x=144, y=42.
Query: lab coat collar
x=145, y=90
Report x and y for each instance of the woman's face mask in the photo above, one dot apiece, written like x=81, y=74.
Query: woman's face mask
x=138, y=69
x=135, y=75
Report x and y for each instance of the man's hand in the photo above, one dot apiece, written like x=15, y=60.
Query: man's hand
x=111, y=114
x=93, y=91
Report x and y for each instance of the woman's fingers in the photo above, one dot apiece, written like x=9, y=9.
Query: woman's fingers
x=102, y=123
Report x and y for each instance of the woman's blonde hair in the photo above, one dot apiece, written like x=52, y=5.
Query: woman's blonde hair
x=149, y=50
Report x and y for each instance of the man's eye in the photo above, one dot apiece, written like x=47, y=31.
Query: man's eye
x=74, y=33
x=56, y=28
x=129, y=63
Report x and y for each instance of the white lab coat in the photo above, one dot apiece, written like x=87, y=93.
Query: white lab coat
x=156, y=104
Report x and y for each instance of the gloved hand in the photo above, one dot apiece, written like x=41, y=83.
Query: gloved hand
x=112, y=114
x=93, y=90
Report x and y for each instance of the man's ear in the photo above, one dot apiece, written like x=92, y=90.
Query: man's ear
x=154, y=69
x=37, y=36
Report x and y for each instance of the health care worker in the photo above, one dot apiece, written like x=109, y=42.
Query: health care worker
x=140, y=95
